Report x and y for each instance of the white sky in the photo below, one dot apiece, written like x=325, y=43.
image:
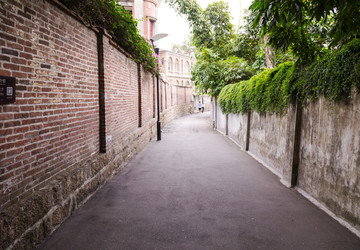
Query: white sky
x=176, y=26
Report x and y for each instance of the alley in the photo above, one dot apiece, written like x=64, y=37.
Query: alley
x=195, y=189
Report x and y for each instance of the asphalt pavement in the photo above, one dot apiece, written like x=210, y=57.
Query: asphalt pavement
x=195, y=189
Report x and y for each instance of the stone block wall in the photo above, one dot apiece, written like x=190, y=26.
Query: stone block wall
x=72, y=126
x=314, y=148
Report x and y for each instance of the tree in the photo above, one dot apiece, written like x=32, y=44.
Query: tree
x=211, y=72
x=212, y=36
x=307, y=27
x=183, y=48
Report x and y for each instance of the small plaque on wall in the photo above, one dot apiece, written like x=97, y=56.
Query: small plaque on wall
x=7, y=90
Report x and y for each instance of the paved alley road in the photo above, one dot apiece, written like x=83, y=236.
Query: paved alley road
x=195, y=189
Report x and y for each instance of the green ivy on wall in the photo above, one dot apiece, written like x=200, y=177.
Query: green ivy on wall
x=273, y=90
x=332, y=77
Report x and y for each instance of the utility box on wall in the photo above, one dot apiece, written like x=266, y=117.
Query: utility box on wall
x=7, y=90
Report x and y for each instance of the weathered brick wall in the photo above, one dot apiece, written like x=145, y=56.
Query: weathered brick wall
x=121, y=94
x=148, y=91
x=50, y=140
x=53, y=124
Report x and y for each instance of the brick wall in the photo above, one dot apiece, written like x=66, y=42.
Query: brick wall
x=53, y=124
x=121, y=94
x=50, y=139
x=148, y=89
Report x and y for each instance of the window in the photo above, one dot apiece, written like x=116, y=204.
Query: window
x=177, y=65
x=151, y=28
x=187, y=67
x=170, y=66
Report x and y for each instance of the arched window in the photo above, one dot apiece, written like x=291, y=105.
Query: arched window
x=177, y=65
x=170, y=66
x=187, y=67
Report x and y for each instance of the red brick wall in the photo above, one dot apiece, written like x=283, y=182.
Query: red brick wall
x=50, y=139
x=121, y=93
x=148, y=85
x=53, y=123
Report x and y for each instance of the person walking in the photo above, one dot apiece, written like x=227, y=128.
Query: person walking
x=199, y=106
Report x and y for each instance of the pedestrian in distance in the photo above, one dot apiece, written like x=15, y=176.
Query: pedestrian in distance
x=199, y=106
x=202, y=108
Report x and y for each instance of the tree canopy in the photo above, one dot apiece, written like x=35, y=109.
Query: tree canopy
x=213, y=35
x=307, y=27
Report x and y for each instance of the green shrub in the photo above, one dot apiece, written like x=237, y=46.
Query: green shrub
x=110, y=16
x=273, y=90
x=265, y=92
x=332, y=77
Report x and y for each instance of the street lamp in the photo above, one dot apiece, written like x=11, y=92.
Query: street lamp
x=153, y=39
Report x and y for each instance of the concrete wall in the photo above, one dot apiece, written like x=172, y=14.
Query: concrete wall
x=326, y=165
x=271, y=140
x=72, y=127
x=221, y=120
x=237, y=129
x=329, y=167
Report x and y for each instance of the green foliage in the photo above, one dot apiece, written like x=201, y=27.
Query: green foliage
x=346, y=18
x=211, y=28
x=247, y=41
x=305, y=27
x=183, y=48
x=273, y=90
x=265, y=92
x=332, y=77
x=200, y=26
x=216, y=61
x=248, y=44
x=211, y=73
x=109, y=15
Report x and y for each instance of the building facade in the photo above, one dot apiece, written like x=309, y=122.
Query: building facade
x=176, y=68
x=146, y=12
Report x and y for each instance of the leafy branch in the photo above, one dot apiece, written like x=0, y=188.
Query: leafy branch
x=109, y=15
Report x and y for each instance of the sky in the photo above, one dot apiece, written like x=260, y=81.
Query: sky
x=176, y=26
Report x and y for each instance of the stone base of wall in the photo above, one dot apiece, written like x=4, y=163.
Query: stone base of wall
x=25, y=224
x=175, y=112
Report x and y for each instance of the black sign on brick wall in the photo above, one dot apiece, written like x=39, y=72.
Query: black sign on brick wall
x=7, y=90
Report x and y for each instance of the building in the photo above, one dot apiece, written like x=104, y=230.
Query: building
x=176, y=68
x=146, y=12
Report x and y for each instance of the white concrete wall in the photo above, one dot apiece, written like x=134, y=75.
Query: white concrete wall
x=237, y=128
x=221, y=120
